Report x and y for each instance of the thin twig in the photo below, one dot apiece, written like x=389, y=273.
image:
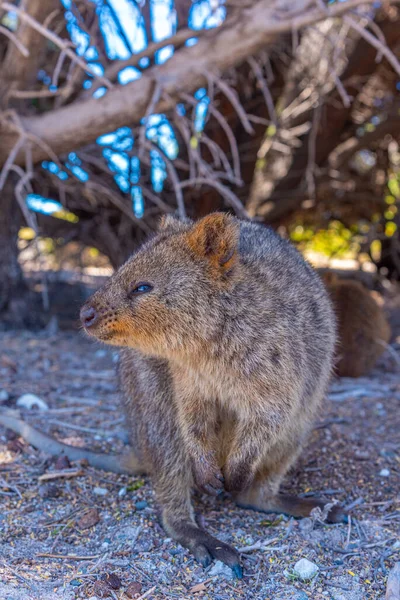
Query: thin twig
x=50, y=35
x=264, y=88
x=225, y=192
x=68, y=556
x=155, y=97
x=13, y=38
x=227, y=130
x=10, y=159
x=312, y=141
x=375, y=42
x=232, y=96
x=27, y=94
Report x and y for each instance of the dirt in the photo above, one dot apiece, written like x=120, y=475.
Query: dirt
x=102, y=529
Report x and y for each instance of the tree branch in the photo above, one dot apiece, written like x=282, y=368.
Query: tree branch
x=80, y=123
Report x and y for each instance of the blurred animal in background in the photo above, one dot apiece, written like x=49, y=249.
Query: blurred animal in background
x=363, y=330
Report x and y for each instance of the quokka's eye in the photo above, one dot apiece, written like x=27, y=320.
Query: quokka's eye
x=141, y=288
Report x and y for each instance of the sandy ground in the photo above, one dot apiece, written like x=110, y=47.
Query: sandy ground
x=101, y=530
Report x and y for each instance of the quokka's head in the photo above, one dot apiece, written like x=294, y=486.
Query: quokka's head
x=167, y=297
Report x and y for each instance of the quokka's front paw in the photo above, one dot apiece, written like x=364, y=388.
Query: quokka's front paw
x=207, y=476
x=238, y=476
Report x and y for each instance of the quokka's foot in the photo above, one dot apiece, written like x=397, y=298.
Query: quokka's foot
x=205, y=547
x=290, y=505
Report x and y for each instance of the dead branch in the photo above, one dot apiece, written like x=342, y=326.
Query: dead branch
x=50, y=35
x=393, y=583
x=13, y=38
x=121, y=463
x=382, y=48
x=264, y=88
x=225, y=192
x=71, y=127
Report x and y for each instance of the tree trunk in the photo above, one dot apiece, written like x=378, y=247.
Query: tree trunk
x=11, y=279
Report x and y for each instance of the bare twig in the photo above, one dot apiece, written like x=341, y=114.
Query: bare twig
x=233, y=98
x=375, y=42
x=227, y=130
x=264, y=88
x=68, y=556
x=50, y=35
x=13, y=38
x=225, y=192
x=62, y=474
x=155, y=97
x=118, y=202
x=173, y=175
x=312, y=140
x=10, y=159
x=27, y=94
x=146, y=594
x=122, y=463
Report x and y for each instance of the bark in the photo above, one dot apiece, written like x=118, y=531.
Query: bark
x=11, y=279
x=18, y=72
x=243, y=35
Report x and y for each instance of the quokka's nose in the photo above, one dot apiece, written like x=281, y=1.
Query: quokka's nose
x=89, y=316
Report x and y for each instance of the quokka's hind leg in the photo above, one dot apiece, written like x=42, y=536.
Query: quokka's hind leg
x=264, y=496
x=173, y=495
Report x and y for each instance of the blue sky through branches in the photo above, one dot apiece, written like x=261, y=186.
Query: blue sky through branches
x=124, y=33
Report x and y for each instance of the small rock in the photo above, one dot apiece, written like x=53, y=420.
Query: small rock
x=361, y=455
x=30, y=401
x=292, y=594
x=134, y=589
x=143, y=545
x=89, y=519
x=4, y=396
x=305, y=569
x=101, y=589
x=122, y=492
x=62, y=463
x=141, y=505
x=384, y=473
x=306, y=525
x=48, y=490
x=219, y=568
x=112, y=580
x=99, y=491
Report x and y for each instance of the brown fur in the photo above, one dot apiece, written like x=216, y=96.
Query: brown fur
x=223, y=367
x=363, y=329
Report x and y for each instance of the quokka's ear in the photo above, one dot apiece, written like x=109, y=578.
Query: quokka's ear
x=216, y=239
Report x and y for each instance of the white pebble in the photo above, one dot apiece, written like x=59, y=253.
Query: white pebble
x=219, y=568
x=3, y=396
x=30, y=401
x=384, y=473
x=99, y=491
x=305, y=569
